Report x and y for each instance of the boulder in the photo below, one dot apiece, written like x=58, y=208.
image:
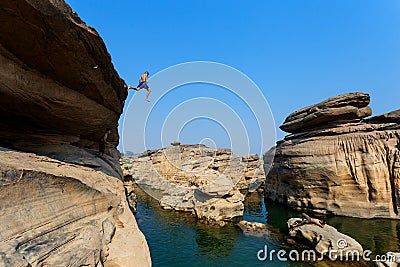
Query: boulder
x=57, y=82
x=175, y=143
x=325, y=240
x=350, y=168
x=220, y=210
x=341, y=108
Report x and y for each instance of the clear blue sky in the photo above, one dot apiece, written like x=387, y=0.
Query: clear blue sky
x=298, y=52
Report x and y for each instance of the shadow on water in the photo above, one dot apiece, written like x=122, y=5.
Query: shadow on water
x=178, y=239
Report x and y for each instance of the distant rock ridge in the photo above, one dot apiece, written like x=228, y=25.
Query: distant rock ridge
x=337, y=161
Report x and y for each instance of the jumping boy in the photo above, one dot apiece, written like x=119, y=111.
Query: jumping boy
x=143, y=84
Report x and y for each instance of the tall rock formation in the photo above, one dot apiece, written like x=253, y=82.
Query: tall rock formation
x=334, y=161
x=61, y=205
x=57, y=82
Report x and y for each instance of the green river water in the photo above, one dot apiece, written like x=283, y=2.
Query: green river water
x=178, y=239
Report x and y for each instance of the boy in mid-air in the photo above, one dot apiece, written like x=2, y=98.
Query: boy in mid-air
x=143, y=84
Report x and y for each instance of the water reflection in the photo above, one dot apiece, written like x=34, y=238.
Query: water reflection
x=377, y=235
x=217, y=242
x=255, y=208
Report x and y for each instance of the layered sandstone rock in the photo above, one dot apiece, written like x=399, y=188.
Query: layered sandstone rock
x=196, y=178
x=57, y=82
x=61, y=204
x=55, y=213
x=347, y=167
x=346, y=107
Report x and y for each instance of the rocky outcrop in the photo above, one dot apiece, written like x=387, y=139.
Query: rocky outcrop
x=61, y=204
x=326, y=241
x=57, y=82
x=196, y=178
x=340, y=164
x=55, y=213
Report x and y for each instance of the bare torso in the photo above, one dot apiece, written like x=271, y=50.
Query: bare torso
x=143, y=78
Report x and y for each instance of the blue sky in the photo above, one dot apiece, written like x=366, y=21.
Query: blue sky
x=298, y=52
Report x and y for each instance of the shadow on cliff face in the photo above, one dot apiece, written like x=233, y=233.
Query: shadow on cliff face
x=49, y=92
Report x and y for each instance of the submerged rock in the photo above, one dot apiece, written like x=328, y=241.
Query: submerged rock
x=324, y=240
x=253, y=228
x=345, y=167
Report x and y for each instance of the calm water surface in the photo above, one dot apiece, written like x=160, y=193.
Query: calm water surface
x=178, y=239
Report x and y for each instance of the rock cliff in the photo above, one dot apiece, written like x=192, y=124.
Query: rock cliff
x=337, y=162
x=57, y=82
x=60, y=204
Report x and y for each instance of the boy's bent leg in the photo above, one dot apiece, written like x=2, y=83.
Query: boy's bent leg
x=147, y=95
